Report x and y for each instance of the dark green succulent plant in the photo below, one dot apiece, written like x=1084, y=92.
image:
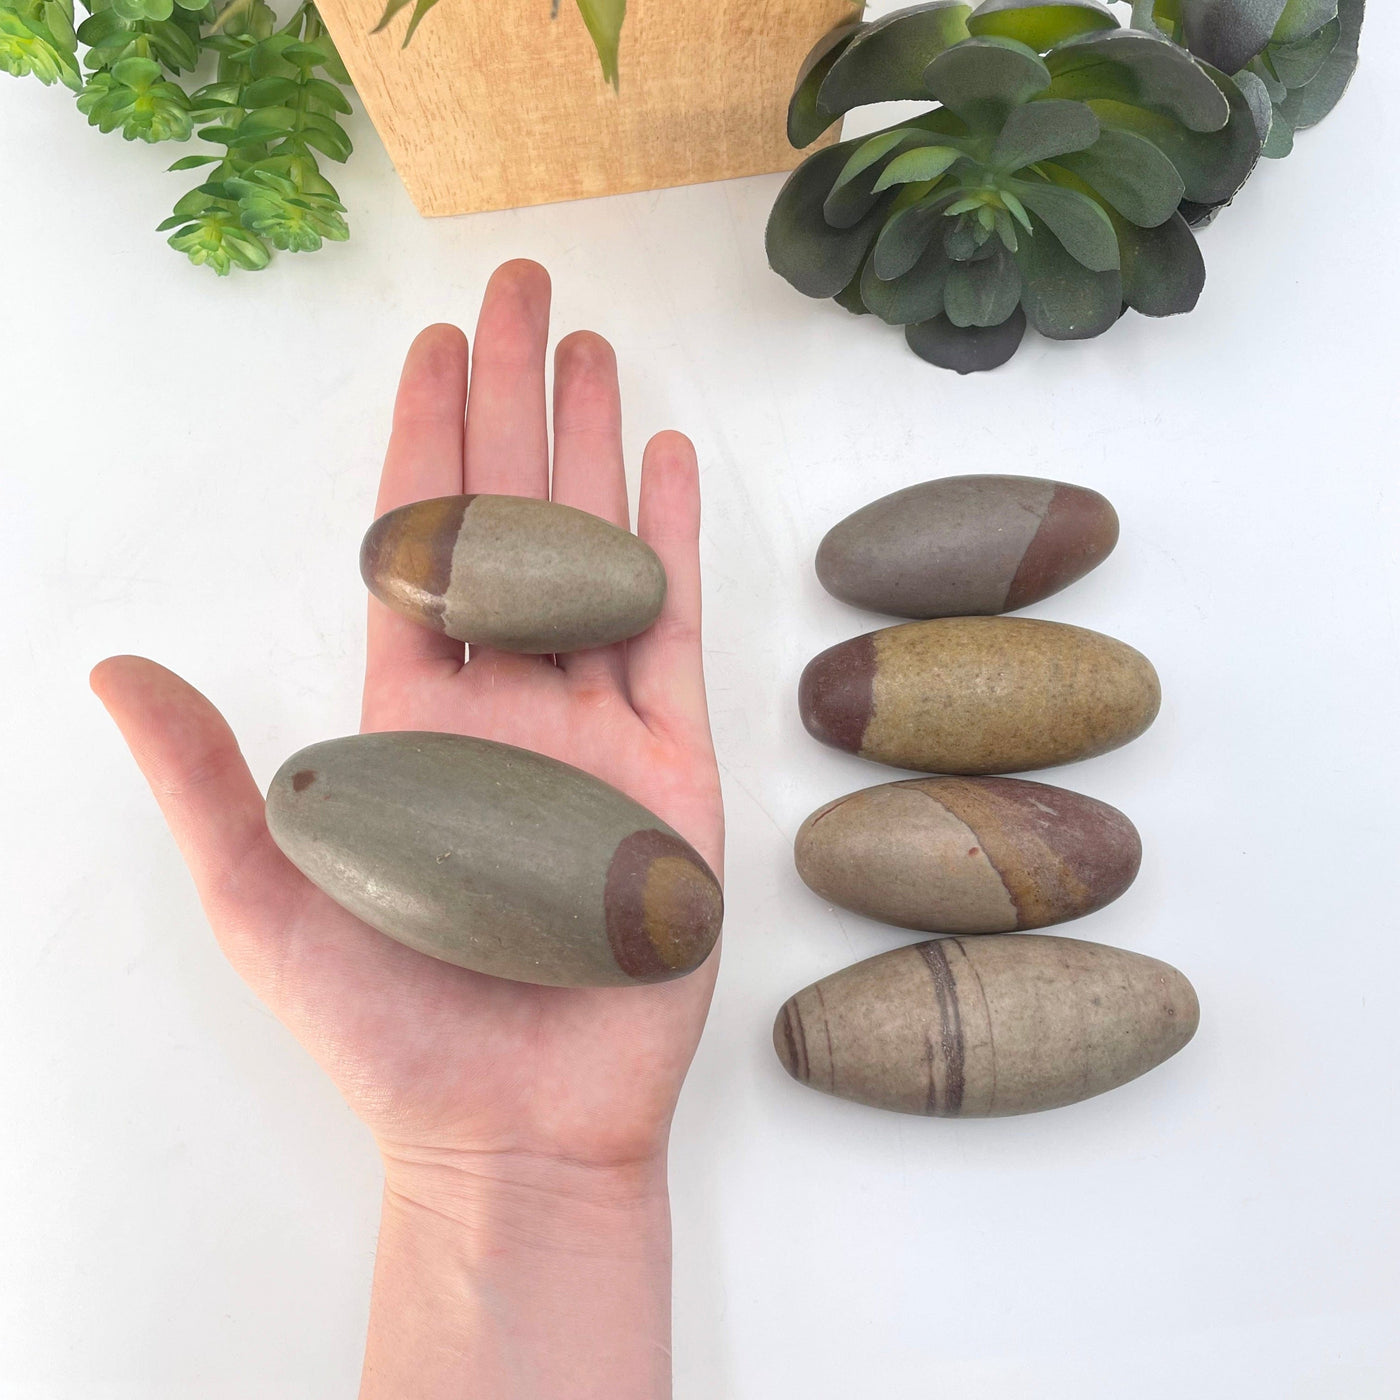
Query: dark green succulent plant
x=1292, y=58
x=1043, y=188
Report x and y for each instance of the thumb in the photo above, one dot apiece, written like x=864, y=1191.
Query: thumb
x=251, y=892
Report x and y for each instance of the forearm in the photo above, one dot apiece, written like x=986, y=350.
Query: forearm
x=521, y=1281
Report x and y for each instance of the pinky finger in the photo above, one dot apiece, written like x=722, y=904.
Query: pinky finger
x=665, y=669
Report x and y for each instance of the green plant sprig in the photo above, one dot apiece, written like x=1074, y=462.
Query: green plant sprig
x=274, y=107
x=37, y=40
x=136, y=50
x=272, y=112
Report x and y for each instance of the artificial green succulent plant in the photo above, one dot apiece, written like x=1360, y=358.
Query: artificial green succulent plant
x=1049, y=185
x=270, y=114
x=37, y=40
x=1292, y=58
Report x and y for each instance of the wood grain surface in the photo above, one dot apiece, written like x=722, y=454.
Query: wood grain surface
x=494, y=106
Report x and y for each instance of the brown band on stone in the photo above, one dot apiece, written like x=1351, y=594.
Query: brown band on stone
x=406, y=557
x=1092, y=854
x=836, y=693
x=662, y=906
x=1078, y=532
x=790, y=1041
x=950, y=1049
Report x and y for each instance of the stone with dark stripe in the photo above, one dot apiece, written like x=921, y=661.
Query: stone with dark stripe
x=514, y=573
x=968, y=855
x=977, y=695
x=986, y=1026
x=966, y=546
x=496, y=859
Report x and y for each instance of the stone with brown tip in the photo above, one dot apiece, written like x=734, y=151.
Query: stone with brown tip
x=512, y=572
x=985, y=1027
x=966, y=546
x=975, y=695
x=496, y=859
x=968, y=855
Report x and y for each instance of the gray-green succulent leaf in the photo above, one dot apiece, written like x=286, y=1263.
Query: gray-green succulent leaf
x=1301, y=53
x=1042, y=188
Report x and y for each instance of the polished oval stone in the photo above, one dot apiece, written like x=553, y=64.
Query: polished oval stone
x=978, y=695
x=496, y=859
x=968, y=855
x=512, y=572
x=987, y=1026
x=967, y=546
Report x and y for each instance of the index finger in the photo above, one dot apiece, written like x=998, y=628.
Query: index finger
x=424, y=460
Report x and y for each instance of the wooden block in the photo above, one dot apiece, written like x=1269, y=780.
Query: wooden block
x=494, y=105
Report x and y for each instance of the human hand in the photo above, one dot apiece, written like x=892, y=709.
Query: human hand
x=489, y=1100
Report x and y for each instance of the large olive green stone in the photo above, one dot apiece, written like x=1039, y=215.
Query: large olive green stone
x=496, y=859
x=978, y=695
x=513, y=572
x=986, y=1026
x=965, y=546
x=968, y=855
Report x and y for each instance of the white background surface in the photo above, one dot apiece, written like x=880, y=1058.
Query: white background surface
x=190, y=1211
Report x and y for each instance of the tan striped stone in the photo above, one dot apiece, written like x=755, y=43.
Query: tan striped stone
x=985, y=1027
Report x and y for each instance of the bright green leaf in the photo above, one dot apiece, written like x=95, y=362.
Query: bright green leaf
x=1040, y=26
x=925, y=163
x=604, y=20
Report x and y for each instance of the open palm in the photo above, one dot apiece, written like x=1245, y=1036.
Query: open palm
x=441, y=1063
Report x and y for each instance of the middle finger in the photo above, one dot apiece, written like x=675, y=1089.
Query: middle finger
x=507, y=444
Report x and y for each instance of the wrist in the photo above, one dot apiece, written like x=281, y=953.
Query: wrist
x=472, y=1193
x=518, y=1277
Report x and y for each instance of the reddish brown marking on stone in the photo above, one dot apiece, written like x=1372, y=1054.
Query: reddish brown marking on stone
x=945, y=990
x=790, y=1040
x=661, y=921
x=303, y=780
x=406, y=556
x=836, y=693
x=1060, y=863
x=974, y=850
x=1077, y=534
